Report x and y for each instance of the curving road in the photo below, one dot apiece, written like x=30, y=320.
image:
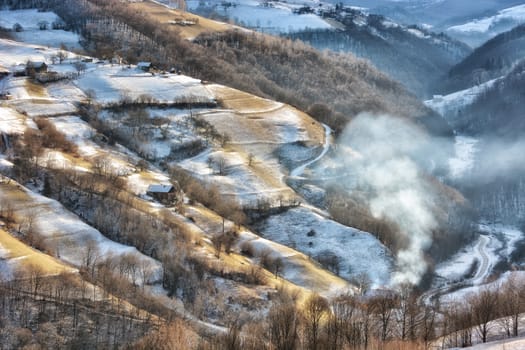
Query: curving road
x=297, y=172
x=478, y=278
x=484, y=266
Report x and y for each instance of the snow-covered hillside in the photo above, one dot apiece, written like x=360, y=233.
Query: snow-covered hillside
x=270, y=17
x=36, y=27
x=320, y=237
x=450, y=106
x=480, y=30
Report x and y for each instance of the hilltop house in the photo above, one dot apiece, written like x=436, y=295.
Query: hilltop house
x=166, y=194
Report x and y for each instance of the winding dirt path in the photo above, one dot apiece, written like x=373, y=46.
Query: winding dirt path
x=297, y=172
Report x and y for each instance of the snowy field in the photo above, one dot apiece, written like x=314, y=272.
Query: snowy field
x=477, y=31
x=515, y=14
x=297, y=267
x=79, y=132
x=514, y=344
x=240, y=181
x=11, y=122
x=276, y=19
x=355, y=248
x=14, y=53
x=31, y=33
x=112, y=83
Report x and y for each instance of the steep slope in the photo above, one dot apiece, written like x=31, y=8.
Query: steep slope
x=479, y=30
x=491, y=60
x=265, y=66
x=411, y=55
x=498, y=112
x=492, y=115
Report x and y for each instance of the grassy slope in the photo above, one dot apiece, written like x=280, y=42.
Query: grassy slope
x=20, y=253
x=164, y=15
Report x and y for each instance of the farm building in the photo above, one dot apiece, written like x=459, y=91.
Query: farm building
x=144, y=66
x=33, y=68
x=166, y=194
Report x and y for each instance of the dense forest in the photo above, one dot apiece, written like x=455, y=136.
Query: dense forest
x=405, y=53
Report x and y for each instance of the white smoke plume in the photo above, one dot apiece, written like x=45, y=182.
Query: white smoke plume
x=389, y=167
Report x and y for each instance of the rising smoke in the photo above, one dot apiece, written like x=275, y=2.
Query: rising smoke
x=393, y=158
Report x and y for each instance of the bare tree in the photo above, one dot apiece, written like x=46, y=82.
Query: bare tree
x=62, y=55
x=383, y=308
x=316, y=308
x=512, y=304
x=484, y=308
x=283, y=322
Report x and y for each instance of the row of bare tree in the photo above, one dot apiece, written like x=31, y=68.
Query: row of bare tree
x=385, y=320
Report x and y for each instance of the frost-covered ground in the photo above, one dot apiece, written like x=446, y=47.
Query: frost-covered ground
x=112, y=83
x=276, y=18
x=31, y=33
x=479, y=30
x=515, y=14
x=450, y=106
x=313, y=234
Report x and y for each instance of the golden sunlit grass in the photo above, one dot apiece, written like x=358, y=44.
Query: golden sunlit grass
x=256, y=108
x=242, y=102
x=34, y=89
x=27, y=256
x=165, y=15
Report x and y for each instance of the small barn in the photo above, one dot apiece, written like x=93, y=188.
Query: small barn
x=4, y=72
x=35, y=67
x=166, y=194
x=144, y=66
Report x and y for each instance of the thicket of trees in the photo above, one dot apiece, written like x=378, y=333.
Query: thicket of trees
x=386, y=320
x=65, y=312
x=417, y=62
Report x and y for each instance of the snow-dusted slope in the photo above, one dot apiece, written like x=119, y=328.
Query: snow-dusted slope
x=275, y=17
x=514, y=14
x=450, y=106
x=479, y=30
x=315, y=235
x=37, y=28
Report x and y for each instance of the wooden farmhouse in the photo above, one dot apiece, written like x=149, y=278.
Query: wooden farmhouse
x=165, y=194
